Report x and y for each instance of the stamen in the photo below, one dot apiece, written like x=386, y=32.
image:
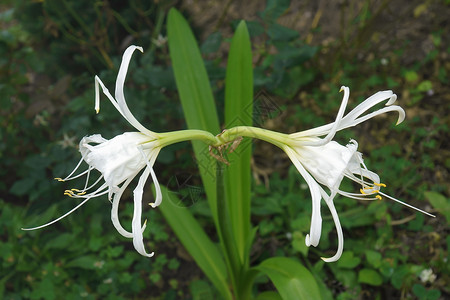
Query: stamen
x=378, y=197
x=59, y=179
x=362, y=192
x=408, y=205
x=379, y=184
x=56, y=220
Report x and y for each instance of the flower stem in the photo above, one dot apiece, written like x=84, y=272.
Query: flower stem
x=228, y=135
x=168, y=138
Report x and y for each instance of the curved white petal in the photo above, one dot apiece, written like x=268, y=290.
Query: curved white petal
x=120, y=97
x=313, y=237
x=158, y=199
x=108, y=95
x=369, y=103
x=351, y=119
x=340, y=235
x=346, y=123
x=115, y=210
x=138, y=239
x=335, y=125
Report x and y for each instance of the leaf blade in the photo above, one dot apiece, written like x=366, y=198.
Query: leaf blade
x=238, y=112
x=196, y=242
x=292, y=280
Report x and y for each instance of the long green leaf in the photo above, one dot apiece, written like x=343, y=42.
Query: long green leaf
x=196, y=242
x=292, y=280
x=196, y=96
x=239, y=112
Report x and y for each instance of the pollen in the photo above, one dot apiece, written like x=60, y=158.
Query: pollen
x=378, y=197
x=379, y=184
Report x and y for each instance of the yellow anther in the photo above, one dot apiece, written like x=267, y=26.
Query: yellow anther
x=151, y=204
x=75, y=190
x=69, y=194
x=342, y=88
x=80, y=194
x=145, y=222
x=59, y=179
x=362, y=192
x=379, y=184
x=378, y=197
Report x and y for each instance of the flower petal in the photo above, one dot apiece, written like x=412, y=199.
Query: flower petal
x=316, y=220
x=138, y=239
x=120, y=97
x=353, y=117
x=115, y=210
x=337, y=223
x=335, y=125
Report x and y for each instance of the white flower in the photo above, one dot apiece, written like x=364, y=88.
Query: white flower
x=427, y=276
x=119, y=160
x=323, y=162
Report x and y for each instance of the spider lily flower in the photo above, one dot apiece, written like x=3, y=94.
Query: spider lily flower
x=119, y=160
x=323, y=162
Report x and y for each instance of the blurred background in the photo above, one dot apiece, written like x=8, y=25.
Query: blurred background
x=303, y=51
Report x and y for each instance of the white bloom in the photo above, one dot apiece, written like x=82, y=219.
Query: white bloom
x=323, y=162
x=119, y=160
x=427, y=276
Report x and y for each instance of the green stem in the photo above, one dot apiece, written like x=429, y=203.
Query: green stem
x=276, y=138
x=168, y=138
x=227, y=136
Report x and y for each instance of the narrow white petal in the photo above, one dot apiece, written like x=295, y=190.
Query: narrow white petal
x=346, y=123
x=313, y=237
x=138, y=239
x=120, y=94
x=107, y=94
x=158, y=199
x=351, y=119
x=115, y=210
x=369, y=103
x=336, y=123
x=339, y=232
x=150, y=162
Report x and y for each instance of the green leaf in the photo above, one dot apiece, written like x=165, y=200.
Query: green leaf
x=274, y=9
x=195, y=95
x=278, y=32
x=239, y=112
x=292, y=280
x=201, y=290
x=84, y=262
x=370, y=276
x=298, y=243
x=196, y=242
x=269, y=295
x=61, y=241
x=348, y=260
x=440, y=203
x=212, y=43
x=374, y=258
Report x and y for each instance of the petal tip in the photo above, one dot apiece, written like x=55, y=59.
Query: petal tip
x=392, y=99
